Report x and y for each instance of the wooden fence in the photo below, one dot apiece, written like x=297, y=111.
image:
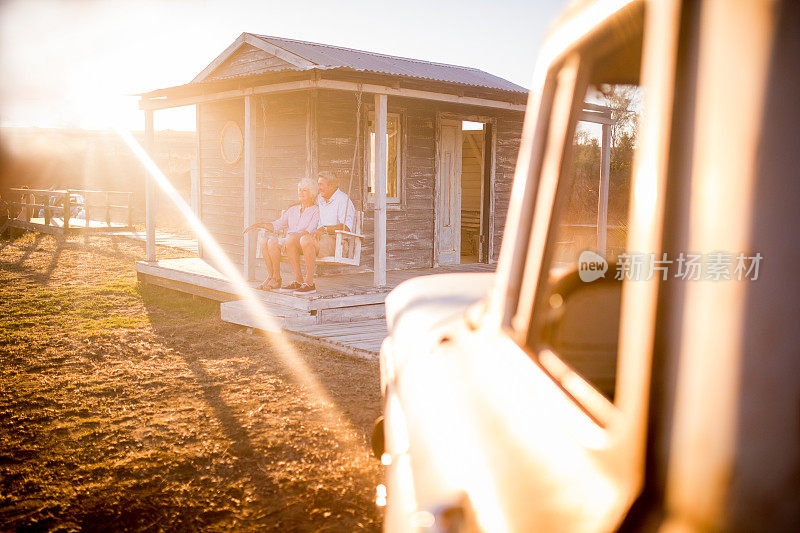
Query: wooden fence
x=60, y=212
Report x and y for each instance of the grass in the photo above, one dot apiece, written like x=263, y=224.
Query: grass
x=185, y=305
x=124, y=406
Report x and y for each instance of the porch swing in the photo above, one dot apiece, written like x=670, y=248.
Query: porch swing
x=347, y=249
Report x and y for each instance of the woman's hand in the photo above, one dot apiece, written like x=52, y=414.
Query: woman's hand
x=257, y=225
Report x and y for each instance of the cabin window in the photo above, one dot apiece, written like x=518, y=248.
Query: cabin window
x=392, y=156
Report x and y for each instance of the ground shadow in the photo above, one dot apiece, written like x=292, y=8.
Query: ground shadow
x=356, y=397
x=29, y=250
x=242, y=449
x=20, y=266
x=34, y=273
x=194, y=425
x=114, y=251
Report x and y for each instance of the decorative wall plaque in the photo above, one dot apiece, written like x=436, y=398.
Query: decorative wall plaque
x=231, y=142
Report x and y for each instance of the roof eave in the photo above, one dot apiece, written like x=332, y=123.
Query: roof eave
x=253, y=80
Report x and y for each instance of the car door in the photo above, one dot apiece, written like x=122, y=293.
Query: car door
x=591, y=338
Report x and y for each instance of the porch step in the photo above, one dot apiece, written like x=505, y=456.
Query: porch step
x=325, y=299
x=356, y=331
x=237, y=312
x=359, y=337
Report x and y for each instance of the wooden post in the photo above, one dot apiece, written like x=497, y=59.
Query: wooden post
x=150, y=192
x=199, y=171
x=194, y=188
x=47, y=212
x=602, y=202
x=381, y=150
x=194, y=195
x=67, y=210
x=130, y=210
x=29, y=199
x=249, y=186
x=313, y=142
x=108, y=209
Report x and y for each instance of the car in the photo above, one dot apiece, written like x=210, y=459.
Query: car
x=633, y=362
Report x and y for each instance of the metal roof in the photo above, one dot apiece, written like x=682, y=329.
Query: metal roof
x=325, y=57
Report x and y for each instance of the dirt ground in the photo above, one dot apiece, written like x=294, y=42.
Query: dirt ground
x=128, y=407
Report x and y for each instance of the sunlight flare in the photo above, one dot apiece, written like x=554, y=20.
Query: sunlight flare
x=340, y=427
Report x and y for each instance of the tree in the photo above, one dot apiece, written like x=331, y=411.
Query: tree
x=625, y=102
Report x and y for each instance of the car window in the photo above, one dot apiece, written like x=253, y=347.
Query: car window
x=597, y=192
x=576, y=308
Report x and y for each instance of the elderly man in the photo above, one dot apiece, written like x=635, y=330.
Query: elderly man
x=336, y=211
x=298, y=220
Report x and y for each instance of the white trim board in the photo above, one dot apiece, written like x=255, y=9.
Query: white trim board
x=166, y=103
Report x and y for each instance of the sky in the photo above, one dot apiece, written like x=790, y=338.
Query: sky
x=79, y=63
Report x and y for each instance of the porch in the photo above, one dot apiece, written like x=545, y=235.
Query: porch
x=346, y=313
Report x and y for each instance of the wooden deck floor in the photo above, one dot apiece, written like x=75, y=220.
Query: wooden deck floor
x=339, y=290
x=346, y=313
x=76, y=225
x=361, y=337
x=163, y=239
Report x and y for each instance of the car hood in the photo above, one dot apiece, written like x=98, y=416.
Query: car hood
x=419, y=310
x=436, y=297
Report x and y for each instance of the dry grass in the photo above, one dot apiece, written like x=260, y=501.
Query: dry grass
x=127, y=407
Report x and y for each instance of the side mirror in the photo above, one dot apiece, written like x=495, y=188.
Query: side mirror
x=582, y=327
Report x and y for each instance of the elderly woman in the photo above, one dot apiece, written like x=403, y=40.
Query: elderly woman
x=298, y=220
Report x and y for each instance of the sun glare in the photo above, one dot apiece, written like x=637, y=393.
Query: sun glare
x=337, y=422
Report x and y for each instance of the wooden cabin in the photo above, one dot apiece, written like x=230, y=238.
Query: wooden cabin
x=273, y=110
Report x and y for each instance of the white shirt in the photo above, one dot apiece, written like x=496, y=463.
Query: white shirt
x=332, y=212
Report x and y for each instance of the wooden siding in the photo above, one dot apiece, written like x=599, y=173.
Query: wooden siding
x=507, y=138
x=335, y=132
x=248, y=60
x=409, y=225
x=281, y=152
x=221, y=184
x=334, y=129
x=280, y=163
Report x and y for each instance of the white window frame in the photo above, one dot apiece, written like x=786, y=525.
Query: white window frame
x=370, y=199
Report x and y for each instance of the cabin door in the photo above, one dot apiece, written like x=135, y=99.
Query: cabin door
x=448, y=197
